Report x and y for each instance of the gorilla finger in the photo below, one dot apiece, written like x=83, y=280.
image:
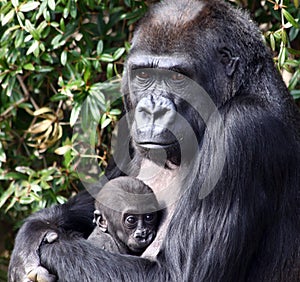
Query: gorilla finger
x=40, y=274
x=50, y=237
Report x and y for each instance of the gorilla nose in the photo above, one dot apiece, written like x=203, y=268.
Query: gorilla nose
x=155, y=110
x=140, y=234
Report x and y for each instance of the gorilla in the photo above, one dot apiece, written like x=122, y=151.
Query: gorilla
x=131, y=226
x=214, y=132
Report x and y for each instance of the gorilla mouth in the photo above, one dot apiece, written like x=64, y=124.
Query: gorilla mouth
x=156, y=145
x=143, y=241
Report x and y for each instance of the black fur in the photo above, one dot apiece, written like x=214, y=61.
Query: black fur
x=247, y=228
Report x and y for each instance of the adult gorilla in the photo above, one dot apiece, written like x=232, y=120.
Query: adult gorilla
x=247, y=227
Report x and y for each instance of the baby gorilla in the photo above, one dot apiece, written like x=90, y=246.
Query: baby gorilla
x=126, y=215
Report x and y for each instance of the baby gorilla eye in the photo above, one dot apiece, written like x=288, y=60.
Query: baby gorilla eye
x=149, y=217
x=131, y=219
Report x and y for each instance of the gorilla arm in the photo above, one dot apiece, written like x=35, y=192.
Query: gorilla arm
x=90, y=263
x=45, y=226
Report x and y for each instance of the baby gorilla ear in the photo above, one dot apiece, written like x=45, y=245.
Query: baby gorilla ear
x=100, y=220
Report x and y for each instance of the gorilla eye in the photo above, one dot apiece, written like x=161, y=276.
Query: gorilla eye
x=130, y=219
x=149, y=217
x=142, y=74
x=178, y=76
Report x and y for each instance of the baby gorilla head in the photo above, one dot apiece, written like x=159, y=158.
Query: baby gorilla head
x=127, y=210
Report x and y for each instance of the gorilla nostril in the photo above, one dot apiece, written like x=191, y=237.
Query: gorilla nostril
x=159, y=110
x=144, y=110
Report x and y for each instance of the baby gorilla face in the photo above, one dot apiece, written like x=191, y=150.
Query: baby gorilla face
x=139, y=230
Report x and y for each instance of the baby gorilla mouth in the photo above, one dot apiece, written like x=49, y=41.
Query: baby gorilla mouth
x=141, y=241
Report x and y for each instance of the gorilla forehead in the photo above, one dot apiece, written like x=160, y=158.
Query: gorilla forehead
x=165, y=21
x=177, y=12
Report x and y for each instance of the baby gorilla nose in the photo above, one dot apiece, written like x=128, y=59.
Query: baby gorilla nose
x=140, y=234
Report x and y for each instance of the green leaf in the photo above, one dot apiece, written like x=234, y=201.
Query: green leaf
x=105, y=123
x=64, y=57
x=29, y=66
x=290, y=18
x=93, y=108
x=29, y=6
x=296, y=3
x=282, y=56
x=118, y=53
x=294, y=80
x=293, y=33
x=272, y=42
x=33, y=47
x=73, y=9
x=44, y=68
x=284, y=37
x=109, y=70
x=295, y=94
x=8, y=17
x=24, y=170
x=75, y=114
x=60, y=199
x=5, y=196
x=106, y=58
x=19, y=38
x=99, y=47
x=42, y=9
x=2, y=155
x=115, y=112
x=15, y=3
x=26, y=200
x=31, y=29
x=51, y=4
x=65, y=13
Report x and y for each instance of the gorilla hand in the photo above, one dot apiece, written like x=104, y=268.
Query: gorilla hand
x=25, y=261
x=40, y=274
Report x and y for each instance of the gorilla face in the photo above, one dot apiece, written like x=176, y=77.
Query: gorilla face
x=168, y=107
x=161, y=94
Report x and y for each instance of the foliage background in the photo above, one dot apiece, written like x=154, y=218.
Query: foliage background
x=55, y=56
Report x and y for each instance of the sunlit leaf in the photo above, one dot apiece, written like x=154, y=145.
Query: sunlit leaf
x=272, y=41
x=99, y=47
x=64, y=57
x=106, y=58
x=29, y=66
x=51, y=4
x=7, y=194
x=75, y=114
x=105, y=123
x=290, y=18
x=15, y=3
x=118, y=53
x=8, y=17
x=63, y=150
x=40, y=126
x=29, y=6
x=42, y=111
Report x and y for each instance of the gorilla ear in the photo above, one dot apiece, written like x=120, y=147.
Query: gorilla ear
x=228, y=60
x=100, y=220
x=103, y=224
